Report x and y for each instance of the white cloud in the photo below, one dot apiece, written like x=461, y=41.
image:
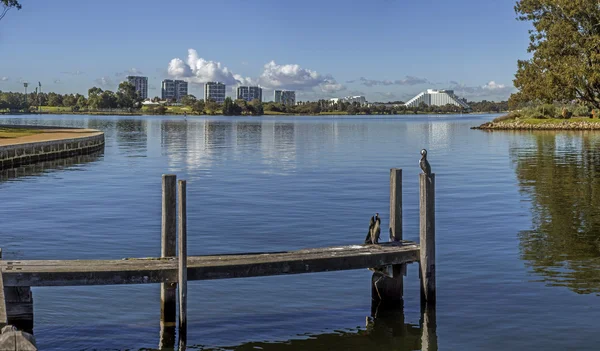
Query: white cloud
x=493, y=86
x=105, y=82
x=408, y=80
x=491, y=90
x=292, y=76
x=199, y=70
x=130, y=72
x=57, y=81
x=74, y=73
x=4, y=79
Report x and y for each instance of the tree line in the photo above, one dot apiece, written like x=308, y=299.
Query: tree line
x=126, y=98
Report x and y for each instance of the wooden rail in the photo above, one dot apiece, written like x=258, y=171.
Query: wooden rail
x=164, y=270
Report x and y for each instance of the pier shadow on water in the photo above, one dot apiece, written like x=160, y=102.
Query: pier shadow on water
x=560, y=172
x=43, y=167
x=385, y=329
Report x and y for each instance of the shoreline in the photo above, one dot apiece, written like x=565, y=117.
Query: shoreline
x=267, y=113
x=49, y=144
x=580, y=123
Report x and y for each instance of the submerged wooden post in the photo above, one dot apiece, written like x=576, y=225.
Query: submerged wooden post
x=168, y=291
x=182, y=281
x=427, y=237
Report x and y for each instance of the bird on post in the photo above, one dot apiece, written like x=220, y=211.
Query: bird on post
x=374, y=230
x=424, y=164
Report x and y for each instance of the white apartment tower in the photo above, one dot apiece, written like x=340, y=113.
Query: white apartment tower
x=249, y=93
x=173, y=89
x=140, y=84
x=214, y=91
x=285, y=97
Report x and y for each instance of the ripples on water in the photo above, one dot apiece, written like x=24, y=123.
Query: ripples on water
x=517, y=239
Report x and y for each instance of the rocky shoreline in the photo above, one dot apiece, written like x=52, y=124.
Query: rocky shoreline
x=520, y=125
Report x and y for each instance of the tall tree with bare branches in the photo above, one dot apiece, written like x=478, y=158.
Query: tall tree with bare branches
x=7, y=5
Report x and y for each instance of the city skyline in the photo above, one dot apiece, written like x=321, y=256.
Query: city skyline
x=383, y=58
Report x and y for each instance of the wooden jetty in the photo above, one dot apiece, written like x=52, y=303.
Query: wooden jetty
x=174, y=267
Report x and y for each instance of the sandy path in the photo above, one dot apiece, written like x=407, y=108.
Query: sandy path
x=48, y=135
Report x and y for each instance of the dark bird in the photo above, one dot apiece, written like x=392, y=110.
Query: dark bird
x=374, y=230
x=424, y=164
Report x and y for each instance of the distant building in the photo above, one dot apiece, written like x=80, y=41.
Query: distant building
x=140, y=84
x=249, y=93
x=285, y=97
x=173, y=89
x=214, y=91
x=351, y=99
x=433, y=97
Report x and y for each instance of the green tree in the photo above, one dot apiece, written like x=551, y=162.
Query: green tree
x=228, y=107
x=126, y=96
x=7, y=5
x=565, y=42
x=55, y=99
x=188, y=100
x=198, y=106
x=69, y=100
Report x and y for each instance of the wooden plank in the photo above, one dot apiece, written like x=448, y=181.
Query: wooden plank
x=168, y=291
x=157, y=270
x=3, y=315
x=182, y=269
x=13, y=340
x=395, y=204
x=427, y=237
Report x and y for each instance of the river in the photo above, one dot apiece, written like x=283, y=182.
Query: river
x=518, y=230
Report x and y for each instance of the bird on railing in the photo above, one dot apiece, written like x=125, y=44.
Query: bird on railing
x=424, y=164
x=374, y=230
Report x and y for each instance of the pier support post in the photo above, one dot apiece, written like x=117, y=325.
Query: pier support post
x=427, y=238
x=168, y=291
x=18, y=301
x=3, y=315
x=395, y=204
x=182, y=281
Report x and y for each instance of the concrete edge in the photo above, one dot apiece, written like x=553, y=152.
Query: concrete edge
x=21, y=154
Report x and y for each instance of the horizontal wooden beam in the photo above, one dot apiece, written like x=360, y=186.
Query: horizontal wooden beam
x=164, y=270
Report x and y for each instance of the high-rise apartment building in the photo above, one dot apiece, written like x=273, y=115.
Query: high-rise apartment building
x=249, y=93
x=173, y=89
x=285, y=97
x=214, y=91
x=140, y=84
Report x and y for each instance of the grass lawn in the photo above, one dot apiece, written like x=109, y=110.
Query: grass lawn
x=16, y=132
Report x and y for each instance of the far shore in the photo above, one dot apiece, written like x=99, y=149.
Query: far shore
x=191, y=114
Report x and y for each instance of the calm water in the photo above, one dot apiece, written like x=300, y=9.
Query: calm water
x=518, y=230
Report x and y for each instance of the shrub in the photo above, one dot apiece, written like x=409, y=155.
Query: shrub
x=581, y=111
x=505, y=118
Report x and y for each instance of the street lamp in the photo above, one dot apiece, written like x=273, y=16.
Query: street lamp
x=25, y=85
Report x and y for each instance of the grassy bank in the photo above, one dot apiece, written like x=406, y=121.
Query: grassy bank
x=16, y=132
x=575, y=123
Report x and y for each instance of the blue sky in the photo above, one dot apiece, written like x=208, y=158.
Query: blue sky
x=384, y=49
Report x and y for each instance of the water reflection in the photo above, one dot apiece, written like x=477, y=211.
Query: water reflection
x=42, y=167
x=561, y=174
x=386, y=330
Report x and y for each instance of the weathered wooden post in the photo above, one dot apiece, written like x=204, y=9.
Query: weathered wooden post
x=168, y=291
x=427, y=237
x=19, y=306
x=10, y=337
x=182, y=281
x=3, y=315
x=395, y=204
x=387, y=286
